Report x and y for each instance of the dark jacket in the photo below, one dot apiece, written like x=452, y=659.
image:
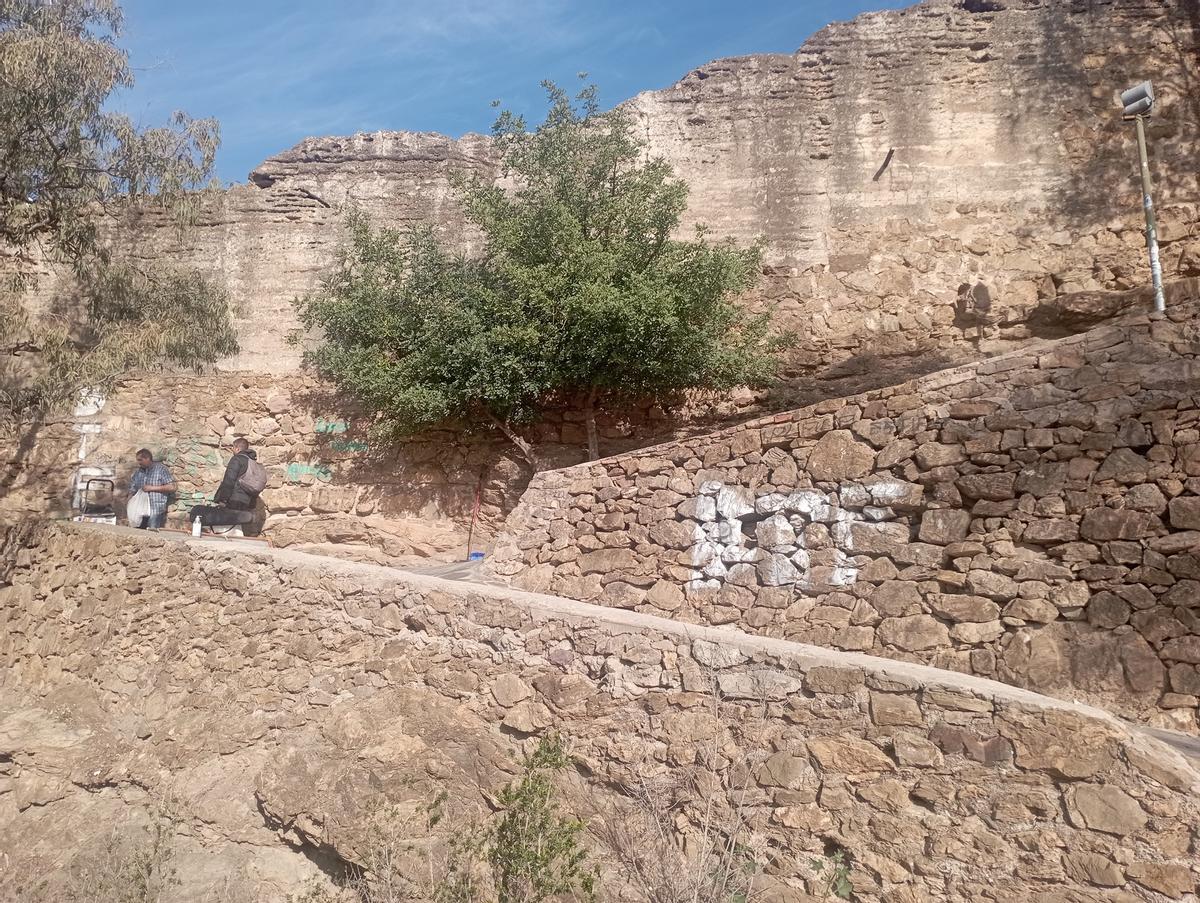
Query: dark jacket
x=229, y=492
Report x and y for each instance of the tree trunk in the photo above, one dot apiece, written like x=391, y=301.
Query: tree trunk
x=524, y=447
x=589, y=414
x=24, y=445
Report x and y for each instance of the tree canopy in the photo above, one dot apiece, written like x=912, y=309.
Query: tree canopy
x=582, y=295
x=70, y=168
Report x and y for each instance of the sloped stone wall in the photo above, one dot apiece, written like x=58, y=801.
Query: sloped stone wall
x=1033, y=518
x=936, y=786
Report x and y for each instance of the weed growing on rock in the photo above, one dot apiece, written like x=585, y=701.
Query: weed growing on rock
x=833, y=873
x=127, y=869
x=530, y=852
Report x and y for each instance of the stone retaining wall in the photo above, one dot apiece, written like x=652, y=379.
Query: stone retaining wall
x=1033, y=518
x=937, y=786
x=331, y=481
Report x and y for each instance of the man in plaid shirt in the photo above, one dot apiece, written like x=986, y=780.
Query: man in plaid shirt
x=154, y=478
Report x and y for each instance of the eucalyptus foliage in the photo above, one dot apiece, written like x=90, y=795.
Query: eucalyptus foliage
x=582, y=296
x=70, y=169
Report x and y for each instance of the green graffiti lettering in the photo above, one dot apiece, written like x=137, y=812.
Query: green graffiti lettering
x=297, y=470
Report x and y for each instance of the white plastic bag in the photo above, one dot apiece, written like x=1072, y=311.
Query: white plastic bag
x=137, y=508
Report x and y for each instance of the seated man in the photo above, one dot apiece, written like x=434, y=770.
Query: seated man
x=235, y=498
x=153, y=478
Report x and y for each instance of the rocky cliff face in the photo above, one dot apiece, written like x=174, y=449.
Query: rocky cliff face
x=885, y=162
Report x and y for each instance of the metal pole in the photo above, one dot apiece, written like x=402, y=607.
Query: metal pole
x=1151, y=226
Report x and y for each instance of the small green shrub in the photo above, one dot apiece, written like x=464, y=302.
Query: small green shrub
x=833, y=874
x=530, y=852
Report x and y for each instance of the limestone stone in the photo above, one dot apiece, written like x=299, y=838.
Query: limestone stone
x=976, y=634
x=564, y=691
x=913, y=750
x=893, y=493
x=715, y=655
x=994, y=585
x=943, y=526
x=889, y=710
x=605, y=561
x=734, y=502
x=1051, y=530
x=849, y=755
x=975, y=609
x=1107, y=610
x=1102, y=524
x=1182, y=649
x=1103, y=807
x=785, y=769
x=776, y=570
x=509, y=689
x=775, y=534
x=895, y=598
x=1092, y=868
x=839, y=456
x=830, y=680
x=666, y=596
x=1039, y=611
x=1185, y=512
x=913, y=633
x=1124, y=466
x=933, y=454
x=990, y=486
x=1169, y=879
x=758, y=684
x=702, y=508
x=527, y=718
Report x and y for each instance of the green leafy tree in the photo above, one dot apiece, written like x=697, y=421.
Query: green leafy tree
x=70, y=171
x=582, y=296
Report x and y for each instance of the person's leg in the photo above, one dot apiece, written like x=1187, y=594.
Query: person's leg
x=158, y=521
x=211, y=516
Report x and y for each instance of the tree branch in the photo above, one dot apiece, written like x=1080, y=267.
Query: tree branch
x=525, y=448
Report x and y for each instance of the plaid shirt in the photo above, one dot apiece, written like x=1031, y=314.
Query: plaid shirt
x=154, y=475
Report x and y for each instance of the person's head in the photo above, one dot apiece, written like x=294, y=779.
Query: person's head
x=144, y=457
x=239, y=446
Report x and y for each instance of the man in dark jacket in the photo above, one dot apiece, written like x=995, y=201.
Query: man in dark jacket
x=235, y=504
x=231, y=493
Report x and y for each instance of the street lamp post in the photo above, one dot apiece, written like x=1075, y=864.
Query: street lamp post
x=1138, y=102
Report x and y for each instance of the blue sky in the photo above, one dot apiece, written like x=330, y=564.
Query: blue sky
x=276, y=71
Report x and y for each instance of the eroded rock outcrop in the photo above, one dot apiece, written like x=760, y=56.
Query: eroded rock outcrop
x=885, y=163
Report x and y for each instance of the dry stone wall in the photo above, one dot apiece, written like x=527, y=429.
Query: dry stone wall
x=1033, y=518
x=315, y=682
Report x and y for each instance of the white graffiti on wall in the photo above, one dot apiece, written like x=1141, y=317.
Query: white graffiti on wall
x=805, y=538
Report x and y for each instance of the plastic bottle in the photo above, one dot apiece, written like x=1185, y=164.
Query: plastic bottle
x=196, y=526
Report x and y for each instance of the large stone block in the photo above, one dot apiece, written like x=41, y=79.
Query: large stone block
x=607, y=561
x=1103, y=524
x=914, y=633
x=1103, y=807
x=943, y=526
x=1185, y=512
x=839, y=456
